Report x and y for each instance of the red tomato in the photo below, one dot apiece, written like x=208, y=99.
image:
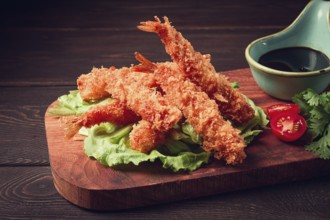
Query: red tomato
x=282, y=108
x=288, y=126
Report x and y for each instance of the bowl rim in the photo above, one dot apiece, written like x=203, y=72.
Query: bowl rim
x=267, y=70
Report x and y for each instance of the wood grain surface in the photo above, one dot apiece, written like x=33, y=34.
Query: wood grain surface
x=88, y=184
x=46, y=45
x=68, y=38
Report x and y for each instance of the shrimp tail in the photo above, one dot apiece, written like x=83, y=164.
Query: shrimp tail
x=199, y=70
x=151, y=26
x=145, y=64
x=72, y=126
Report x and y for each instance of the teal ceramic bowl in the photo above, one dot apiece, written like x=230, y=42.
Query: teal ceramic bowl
x=311, y=29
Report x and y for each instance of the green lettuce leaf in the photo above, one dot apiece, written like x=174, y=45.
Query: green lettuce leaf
x=110, y=147
x=256, y=125
x=71, y=104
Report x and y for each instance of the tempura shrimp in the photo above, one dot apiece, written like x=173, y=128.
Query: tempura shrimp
x=199, y=70
x=127, y=86
x=144, y=138
x=200, y=111
x=92, y=86
x=112, y=111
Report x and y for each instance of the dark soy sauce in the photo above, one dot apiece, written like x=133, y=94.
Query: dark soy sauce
x=295, y=59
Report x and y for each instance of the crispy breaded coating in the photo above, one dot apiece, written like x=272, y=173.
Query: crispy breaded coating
x=127, y=86
x=202, y=113
x=199, y=70
x=144, y=138
x=100, y=83
x=112, y=111
x=91, y=86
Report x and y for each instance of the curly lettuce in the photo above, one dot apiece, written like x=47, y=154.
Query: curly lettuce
x=110, y=146
x=72, y=104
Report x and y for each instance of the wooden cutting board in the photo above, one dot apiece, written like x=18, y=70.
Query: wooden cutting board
x=88, y=184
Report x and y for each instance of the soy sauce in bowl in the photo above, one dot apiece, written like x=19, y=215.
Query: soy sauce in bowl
x=295, y=59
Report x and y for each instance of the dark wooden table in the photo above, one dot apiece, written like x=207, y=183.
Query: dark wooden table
x=46, y=45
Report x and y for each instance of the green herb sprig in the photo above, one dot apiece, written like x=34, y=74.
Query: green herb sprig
x=316, y=110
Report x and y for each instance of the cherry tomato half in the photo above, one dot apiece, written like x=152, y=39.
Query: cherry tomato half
x=282, y=108
x=288, y=126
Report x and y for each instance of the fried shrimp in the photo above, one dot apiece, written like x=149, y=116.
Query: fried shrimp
x=91, y=86
x=129, y=88
x=112, y=111
x=132, y=90
x=199, y=70
x=200, y=111
x=144, y=138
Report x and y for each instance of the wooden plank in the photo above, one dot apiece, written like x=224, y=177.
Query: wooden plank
x=119, y=14
x=22, y=127
x=29, y=193
x=89, y=184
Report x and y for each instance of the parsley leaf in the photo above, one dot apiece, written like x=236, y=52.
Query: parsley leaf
x=316, y=110
x=321, y=146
